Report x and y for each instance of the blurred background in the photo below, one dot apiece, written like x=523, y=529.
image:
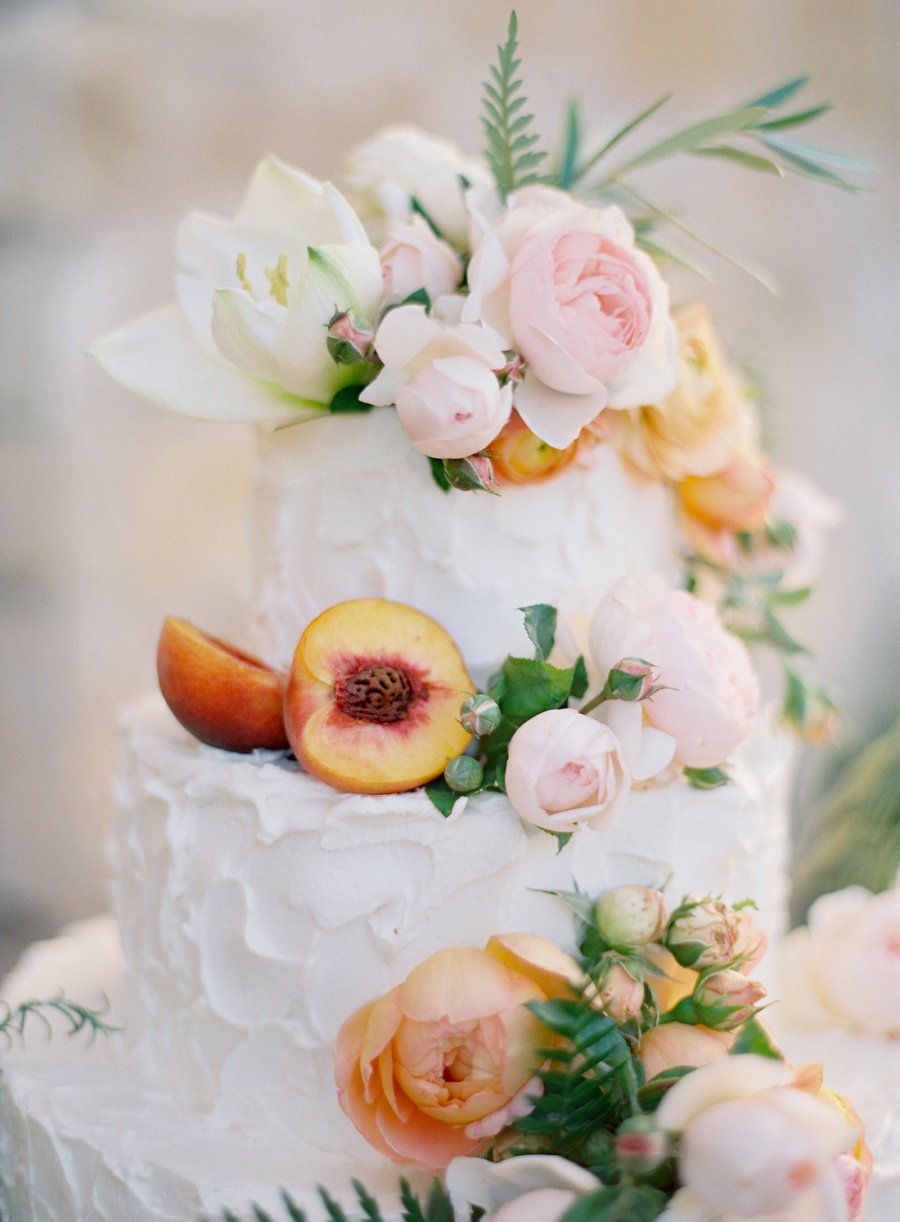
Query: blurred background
x=117, y=116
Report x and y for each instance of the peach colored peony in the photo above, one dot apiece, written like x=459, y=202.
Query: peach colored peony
x=564, y=770
x=695, y=429
x=712, y=691
x=712, y=508
x=565, y=286
x=674, y=1044
x=752, y=1143
x=446, y=1058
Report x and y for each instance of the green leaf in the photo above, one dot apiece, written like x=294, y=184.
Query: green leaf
x=439, y=1207
x=532, y=687
x=415, y=206
x=438, y=474
x=819, y=156
x=347, y=400
x=568, y=162
x=441, y=796
x=652, y=1093
x=333, y=1209
x=753, y=1037
x=706, y=778
x=794, y=120
x=751, y=161
x=695, y=136
x=803, y=165
x=419, y=297
x=540, y=624
x=780, y=93
x=622, y=1203
x=622, y=132
x=294, y=1212
x=412, y=1209
x=789, y=598
x=580, y=681
x=367, y=1203
x=261, y=1215
x=509, y=149
x=665, y=254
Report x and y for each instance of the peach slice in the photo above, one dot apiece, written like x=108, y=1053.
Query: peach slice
x=373, y=697
x=520, y=457
x=223, y=696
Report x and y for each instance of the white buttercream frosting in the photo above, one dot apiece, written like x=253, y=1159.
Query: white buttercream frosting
x=346, y=508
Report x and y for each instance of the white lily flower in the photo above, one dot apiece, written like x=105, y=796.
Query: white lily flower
x=247, y=339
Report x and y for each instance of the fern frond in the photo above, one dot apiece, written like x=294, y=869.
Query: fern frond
x=510, y=149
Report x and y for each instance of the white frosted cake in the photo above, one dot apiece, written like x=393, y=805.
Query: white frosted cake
x=498, y=744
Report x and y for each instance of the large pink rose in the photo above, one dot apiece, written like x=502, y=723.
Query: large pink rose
x=566, y=287
x=711, y=690
x=565, y=769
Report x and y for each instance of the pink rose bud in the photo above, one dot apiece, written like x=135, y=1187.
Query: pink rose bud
x=631, y=679
x=620, y=994
x=751, y=944
x=472, y=474
x=415, y=258
x=703, y=933
x=480, y=715
x=640, y=1145
x=349, y=340
x=727, y=999
x=630, y=916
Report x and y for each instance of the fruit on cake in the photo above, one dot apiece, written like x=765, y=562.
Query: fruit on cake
x=466, y=830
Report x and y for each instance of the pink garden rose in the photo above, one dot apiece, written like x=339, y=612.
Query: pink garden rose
x=712, y=693
x=565, y=770
x=446, y=1059
x=565, y=286
x=441, y=379
x=415, y=258
x=753, y=1143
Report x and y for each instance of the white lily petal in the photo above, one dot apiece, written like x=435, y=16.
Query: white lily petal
x=348, y=276
x=555, y=417
x=352, y=230
x=156, y=356
x=277, y=194
x=403, y=334
x=248, y=333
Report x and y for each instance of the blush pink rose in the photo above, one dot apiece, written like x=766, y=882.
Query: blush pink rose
x=566, y=287
x=415, y=258
x=712, y=692
x=565, y=770
x=443, y=1060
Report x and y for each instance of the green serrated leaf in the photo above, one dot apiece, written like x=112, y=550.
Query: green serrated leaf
x=347, y=400
x=706, y=778
x=441, y=796
x=540, y=625
x=438, y=474
x=510, y=151
x=532, y=687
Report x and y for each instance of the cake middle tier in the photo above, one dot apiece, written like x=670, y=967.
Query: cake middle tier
x=344, y=507
x=259, y=908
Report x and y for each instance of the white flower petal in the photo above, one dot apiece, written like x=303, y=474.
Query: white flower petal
x=382, y=392
x=345, y=277
x=555, y=417
x=473, y=1181
x=728, y=1078
x=403, y=334
x=248, y=332
x=156, y=356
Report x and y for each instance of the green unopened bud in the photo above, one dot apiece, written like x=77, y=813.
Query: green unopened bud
x=480, y=715
x=464, y=774
x=349, y=340
x=472, y=474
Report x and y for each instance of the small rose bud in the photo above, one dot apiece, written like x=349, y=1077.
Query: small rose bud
x=480, y=715
x=472, y=474
x=620, y=993
x=630, y=679
x=727, y=999
x=349, y=341
x=640, y=1145
x=703, y=933
x=630, y=916
x=464, y=774
x=809, y=711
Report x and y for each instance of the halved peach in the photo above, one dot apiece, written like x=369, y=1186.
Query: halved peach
x=373, y=697
x=223, y=696
x=520, y=457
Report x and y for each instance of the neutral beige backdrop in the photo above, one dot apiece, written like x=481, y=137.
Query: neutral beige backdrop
x=117, y=116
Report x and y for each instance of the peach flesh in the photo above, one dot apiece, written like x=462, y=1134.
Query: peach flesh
x=381, y=718
x=224, y=697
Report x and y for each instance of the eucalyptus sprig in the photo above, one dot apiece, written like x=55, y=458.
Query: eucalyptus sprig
x=13, y=1019
x=510, y=150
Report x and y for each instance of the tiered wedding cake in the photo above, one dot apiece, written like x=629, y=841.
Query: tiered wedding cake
x=523, y=337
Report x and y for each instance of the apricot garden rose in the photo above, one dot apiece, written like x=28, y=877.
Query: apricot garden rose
x=447, y=1058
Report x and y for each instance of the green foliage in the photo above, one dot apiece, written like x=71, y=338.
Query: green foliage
x=437, y=1207
x=753, y=1037
x=510, y=149
x=590, y=1079
x=620, y=1203
x=706, y=778
x=438, y=474
x=13, y=1019
x=540, y=624
x=347, y=400
x=442, y=796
